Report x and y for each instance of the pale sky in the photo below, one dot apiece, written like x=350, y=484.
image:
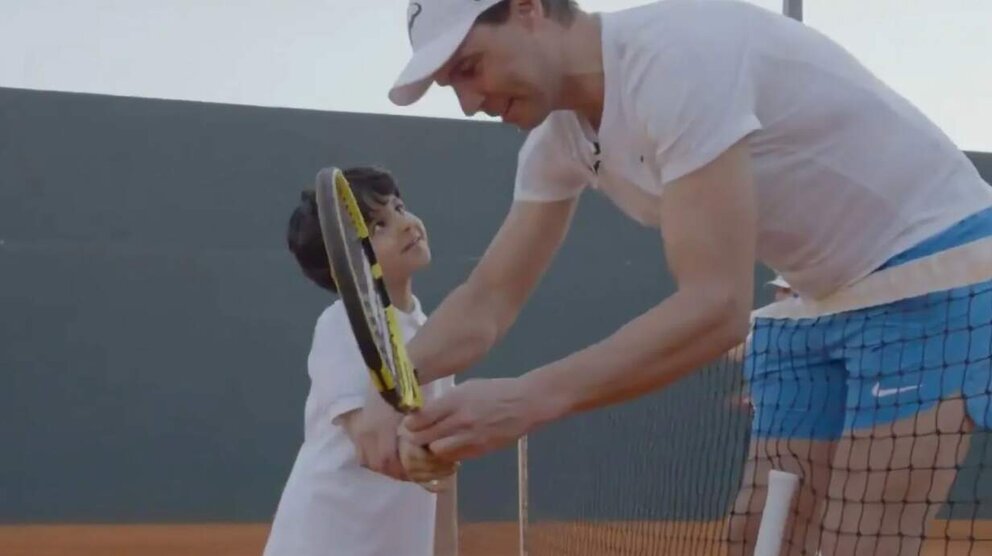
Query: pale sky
x=342, y=55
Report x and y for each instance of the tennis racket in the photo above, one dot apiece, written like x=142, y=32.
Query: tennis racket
x=358, y=276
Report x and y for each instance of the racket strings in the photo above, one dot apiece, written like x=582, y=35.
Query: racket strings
x=372, y=305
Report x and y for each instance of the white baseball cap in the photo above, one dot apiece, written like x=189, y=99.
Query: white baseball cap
x=436, y=28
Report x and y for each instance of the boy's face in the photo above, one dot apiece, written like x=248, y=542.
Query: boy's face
x=399, y=239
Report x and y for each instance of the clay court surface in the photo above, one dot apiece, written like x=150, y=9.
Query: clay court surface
x=477, y=539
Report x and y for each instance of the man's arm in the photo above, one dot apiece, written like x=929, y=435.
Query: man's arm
x=470, y=321
x=708, y=222
x=708, y=225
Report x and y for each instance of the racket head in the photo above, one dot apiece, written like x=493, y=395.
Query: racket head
x=358, y=276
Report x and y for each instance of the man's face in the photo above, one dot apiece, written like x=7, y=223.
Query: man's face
x=504, y=71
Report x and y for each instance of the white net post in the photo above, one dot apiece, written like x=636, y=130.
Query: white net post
x=522, y=494
x=781, y=485
x=775, y=516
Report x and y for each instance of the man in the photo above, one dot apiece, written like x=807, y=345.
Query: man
x=742, y=136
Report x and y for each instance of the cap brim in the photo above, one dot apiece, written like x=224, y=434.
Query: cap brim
x=418, y=74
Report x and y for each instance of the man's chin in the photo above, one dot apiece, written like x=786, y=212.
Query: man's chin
x=525, y=122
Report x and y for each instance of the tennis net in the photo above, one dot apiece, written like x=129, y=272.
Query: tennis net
x=877, y=398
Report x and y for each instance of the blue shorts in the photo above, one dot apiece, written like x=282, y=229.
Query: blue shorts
x=816, y=377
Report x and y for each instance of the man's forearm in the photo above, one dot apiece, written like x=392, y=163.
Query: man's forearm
x=473, y=318
x=652, y=351
x=458, y=334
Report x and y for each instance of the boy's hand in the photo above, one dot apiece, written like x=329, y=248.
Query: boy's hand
x=422, y=466
x=372, y=430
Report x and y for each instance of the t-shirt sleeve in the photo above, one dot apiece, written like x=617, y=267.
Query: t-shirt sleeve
x=338, y=376
x=546, y=171
x=694, y=95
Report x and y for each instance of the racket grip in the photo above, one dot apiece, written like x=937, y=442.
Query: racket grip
x=781, y=489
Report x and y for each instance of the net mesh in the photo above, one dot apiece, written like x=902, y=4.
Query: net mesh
x=641, y=478
x=882, y=411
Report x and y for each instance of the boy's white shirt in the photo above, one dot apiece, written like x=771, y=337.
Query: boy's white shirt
x=330, y=505
x=847, y=173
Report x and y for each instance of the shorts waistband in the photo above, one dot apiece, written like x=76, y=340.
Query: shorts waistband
x=971, y=228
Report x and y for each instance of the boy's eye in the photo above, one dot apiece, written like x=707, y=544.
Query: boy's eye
x=400, y=207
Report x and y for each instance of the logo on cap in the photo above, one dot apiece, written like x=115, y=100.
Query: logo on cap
x=411, y=16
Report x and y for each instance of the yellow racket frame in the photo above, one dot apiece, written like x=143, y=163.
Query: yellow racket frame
x=404, y=391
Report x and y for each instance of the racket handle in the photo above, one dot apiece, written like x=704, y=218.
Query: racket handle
x=781, y=489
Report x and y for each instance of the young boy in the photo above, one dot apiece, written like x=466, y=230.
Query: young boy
x=332, y=505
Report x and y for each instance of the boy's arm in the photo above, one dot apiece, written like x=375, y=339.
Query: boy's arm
x=340, y=381
x=347, y=422
x=446, y=519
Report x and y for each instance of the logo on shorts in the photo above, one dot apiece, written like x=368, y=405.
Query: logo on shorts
x=880, y=392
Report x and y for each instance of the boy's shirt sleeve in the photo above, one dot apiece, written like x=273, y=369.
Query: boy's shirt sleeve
x=338, y=375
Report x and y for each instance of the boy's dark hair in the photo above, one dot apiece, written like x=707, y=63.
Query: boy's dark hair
x=372, y=188
x=562, y=11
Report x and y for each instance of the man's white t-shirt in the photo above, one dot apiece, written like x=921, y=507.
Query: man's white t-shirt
x=847, y=173
x=331, y=506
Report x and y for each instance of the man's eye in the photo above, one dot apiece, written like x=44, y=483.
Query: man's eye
x=467, y=69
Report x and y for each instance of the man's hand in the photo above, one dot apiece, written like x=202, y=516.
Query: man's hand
x=476, y=417
x=422, y=466
x=373, y=431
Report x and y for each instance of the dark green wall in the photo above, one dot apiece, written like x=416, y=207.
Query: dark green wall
x=154, y=331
